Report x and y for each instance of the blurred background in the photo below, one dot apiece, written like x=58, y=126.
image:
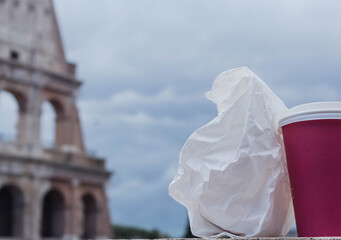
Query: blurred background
x=146, y=65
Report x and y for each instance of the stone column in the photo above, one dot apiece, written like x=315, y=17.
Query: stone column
x=75, y=231
x=62, y=130
x=68, y=217
x=77, y=137
x=104, y=229
x=66, y=129
x=27, y=213
x=29, y=121
x=39, y=188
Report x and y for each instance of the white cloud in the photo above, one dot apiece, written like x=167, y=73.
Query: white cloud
x=131, y=97
x=135, y=108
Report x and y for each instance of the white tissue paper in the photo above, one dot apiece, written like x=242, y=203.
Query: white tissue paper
x=232, y=174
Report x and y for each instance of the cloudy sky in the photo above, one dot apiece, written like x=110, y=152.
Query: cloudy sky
x=146, y=65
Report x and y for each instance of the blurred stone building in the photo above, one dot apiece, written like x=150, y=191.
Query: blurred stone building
x=54, y=192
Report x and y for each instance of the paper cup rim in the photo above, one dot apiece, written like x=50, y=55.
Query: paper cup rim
x=312, y=111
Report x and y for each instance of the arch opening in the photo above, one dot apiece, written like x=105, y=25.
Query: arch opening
x=52, y=221
x=48, y=125
x=11, y=212
x=51, y=130
x=9, y=112
x=89, y=216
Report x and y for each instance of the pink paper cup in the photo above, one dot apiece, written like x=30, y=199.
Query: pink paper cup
x=312, y=139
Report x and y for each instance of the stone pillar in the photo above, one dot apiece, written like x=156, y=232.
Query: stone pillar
x=29, y=121
x=64, y=124
x=103, y=224
x=68, y=130
x=77, y=137
x=21, y=126
x=68, y=218
x=62, y=130
x=75, y=232
x=39, y=188
x=27, y=215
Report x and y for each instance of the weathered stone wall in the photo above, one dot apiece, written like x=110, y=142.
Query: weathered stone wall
x=29, y=28
x=32, y=87
x=58, y=192
x=34, y=171
x=34, y=178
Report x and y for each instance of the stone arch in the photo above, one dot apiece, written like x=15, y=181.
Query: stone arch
x=20, y=97
x=58, y=102
x=58, y=107
x=11, y=211
x=53, y=214
x=90, y=215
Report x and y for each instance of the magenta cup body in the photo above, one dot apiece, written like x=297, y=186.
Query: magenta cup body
x=312, y=139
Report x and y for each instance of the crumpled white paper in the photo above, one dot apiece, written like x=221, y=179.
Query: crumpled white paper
x=232, y=175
